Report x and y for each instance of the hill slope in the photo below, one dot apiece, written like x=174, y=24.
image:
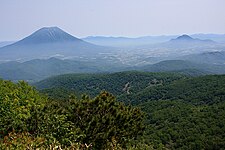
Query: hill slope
x=186, y=114
x=199, y=90
x=139, y=87
x=184, y=65
x=117, y=83
x=37, y=69
x=213, y=58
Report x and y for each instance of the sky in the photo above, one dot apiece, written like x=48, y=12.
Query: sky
x=130, y=18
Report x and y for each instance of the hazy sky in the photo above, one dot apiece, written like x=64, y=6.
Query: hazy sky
x=19, y=18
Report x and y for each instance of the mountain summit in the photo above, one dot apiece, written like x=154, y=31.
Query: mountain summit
x=184, y=37
x=48, y=35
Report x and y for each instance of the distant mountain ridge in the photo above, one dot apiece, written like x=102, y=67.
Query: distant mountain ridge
x=144, y=40
x=126, y=41
x=38, y=69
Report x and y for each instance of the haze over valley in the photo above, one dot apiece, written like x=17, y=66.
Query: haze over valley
x=31, y=58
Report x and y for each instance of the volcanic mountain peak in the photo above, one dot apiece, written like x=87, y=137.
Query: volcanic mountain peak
x=48, y=35
x=186, y=38
x=48, y=42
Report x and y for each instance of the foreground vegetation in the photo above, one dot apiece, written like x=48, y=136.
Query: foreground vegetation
x=29, y=120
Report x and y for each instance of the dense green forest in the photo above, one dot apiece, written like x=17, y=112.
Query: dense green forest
x=119, y=84
x=147, y=111
x=182, y=112
x=175, y=124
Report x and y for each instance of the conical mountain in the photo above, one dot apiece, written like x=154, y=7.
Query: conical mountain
x=184, y=37
x=47, y=42
x=186, y=42
x=48, y=35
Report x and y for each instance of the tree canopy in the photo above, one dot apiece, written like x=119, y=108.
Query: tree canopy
x=100, y=122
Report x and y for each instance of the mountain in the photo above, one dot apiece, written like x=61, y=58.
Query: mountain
x=48, y=35
x=47, y=42
x=174, y=48
x=186, y=38
x=186, y=45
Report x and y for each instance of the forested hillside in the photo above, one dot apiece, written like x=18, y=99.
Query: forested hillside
x=176, y=124
x=181, y=112
x=122, y=83
x=199, y=90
